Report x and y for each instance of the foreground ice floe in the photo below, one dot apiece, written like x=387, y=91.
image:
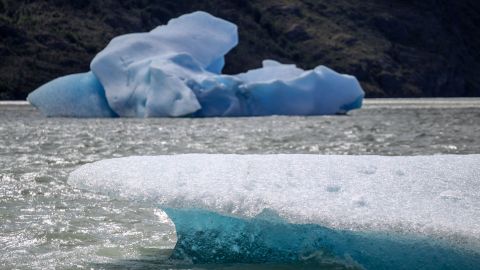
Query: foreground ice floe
x=371, y=211
x=175, y=70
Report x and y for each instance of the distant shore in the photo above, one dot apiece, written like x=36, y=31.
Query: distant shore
x=463, y=102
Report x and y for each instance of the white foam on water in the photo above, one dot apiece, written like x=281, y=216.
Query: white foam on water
x=425, y=195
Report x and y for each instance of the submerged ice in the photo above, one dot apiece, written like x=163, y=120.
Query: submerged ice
x=368, y=211
x=175, y=70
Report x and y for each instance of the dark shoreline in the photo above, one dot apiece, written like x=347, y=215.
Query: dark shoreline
x=395, y=48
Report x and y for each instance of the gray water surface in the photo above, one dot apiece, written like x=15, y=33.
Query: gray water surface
x=46, y=224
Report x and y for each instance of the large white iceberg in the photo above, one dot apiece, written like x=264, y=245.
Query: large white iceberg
x=420, y=212
x=147, y=74
x=175, y=70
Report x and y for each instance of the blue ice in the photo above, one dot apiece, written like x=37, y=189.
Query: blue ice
x=175, y=70
x=77, y=95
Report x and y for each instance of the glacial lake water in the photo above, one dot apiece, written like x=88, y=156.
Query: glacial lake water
x=47, y=224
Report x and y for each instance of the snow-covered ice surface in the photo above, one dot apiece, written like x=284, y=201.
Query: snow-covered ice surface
x=375, y=212
x=175, y=70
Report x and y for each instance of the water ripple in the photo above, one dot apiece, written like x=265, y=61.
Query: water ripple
x=46, y=224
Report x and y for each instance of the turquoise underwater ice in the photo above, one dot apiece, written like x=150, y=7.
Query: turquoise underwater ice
x=175, y=70
x=209, y=237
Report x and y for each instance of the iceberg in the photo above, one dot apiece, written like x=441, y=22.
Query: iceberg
x=175, y=70
x=371, y=212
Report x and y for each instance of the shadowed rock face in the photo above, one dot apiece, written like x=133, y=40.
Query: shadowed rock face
x=395, y=48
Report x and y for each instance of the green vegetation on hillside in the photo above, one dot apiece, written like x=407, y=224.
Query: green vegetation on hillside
x=396, y=48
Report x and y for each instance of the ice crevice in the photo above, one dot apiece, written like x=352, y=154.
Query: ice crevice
x=358, y=210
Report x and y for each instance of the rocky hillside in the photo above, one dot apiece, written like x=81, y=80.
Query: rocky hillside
x=396, y=48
